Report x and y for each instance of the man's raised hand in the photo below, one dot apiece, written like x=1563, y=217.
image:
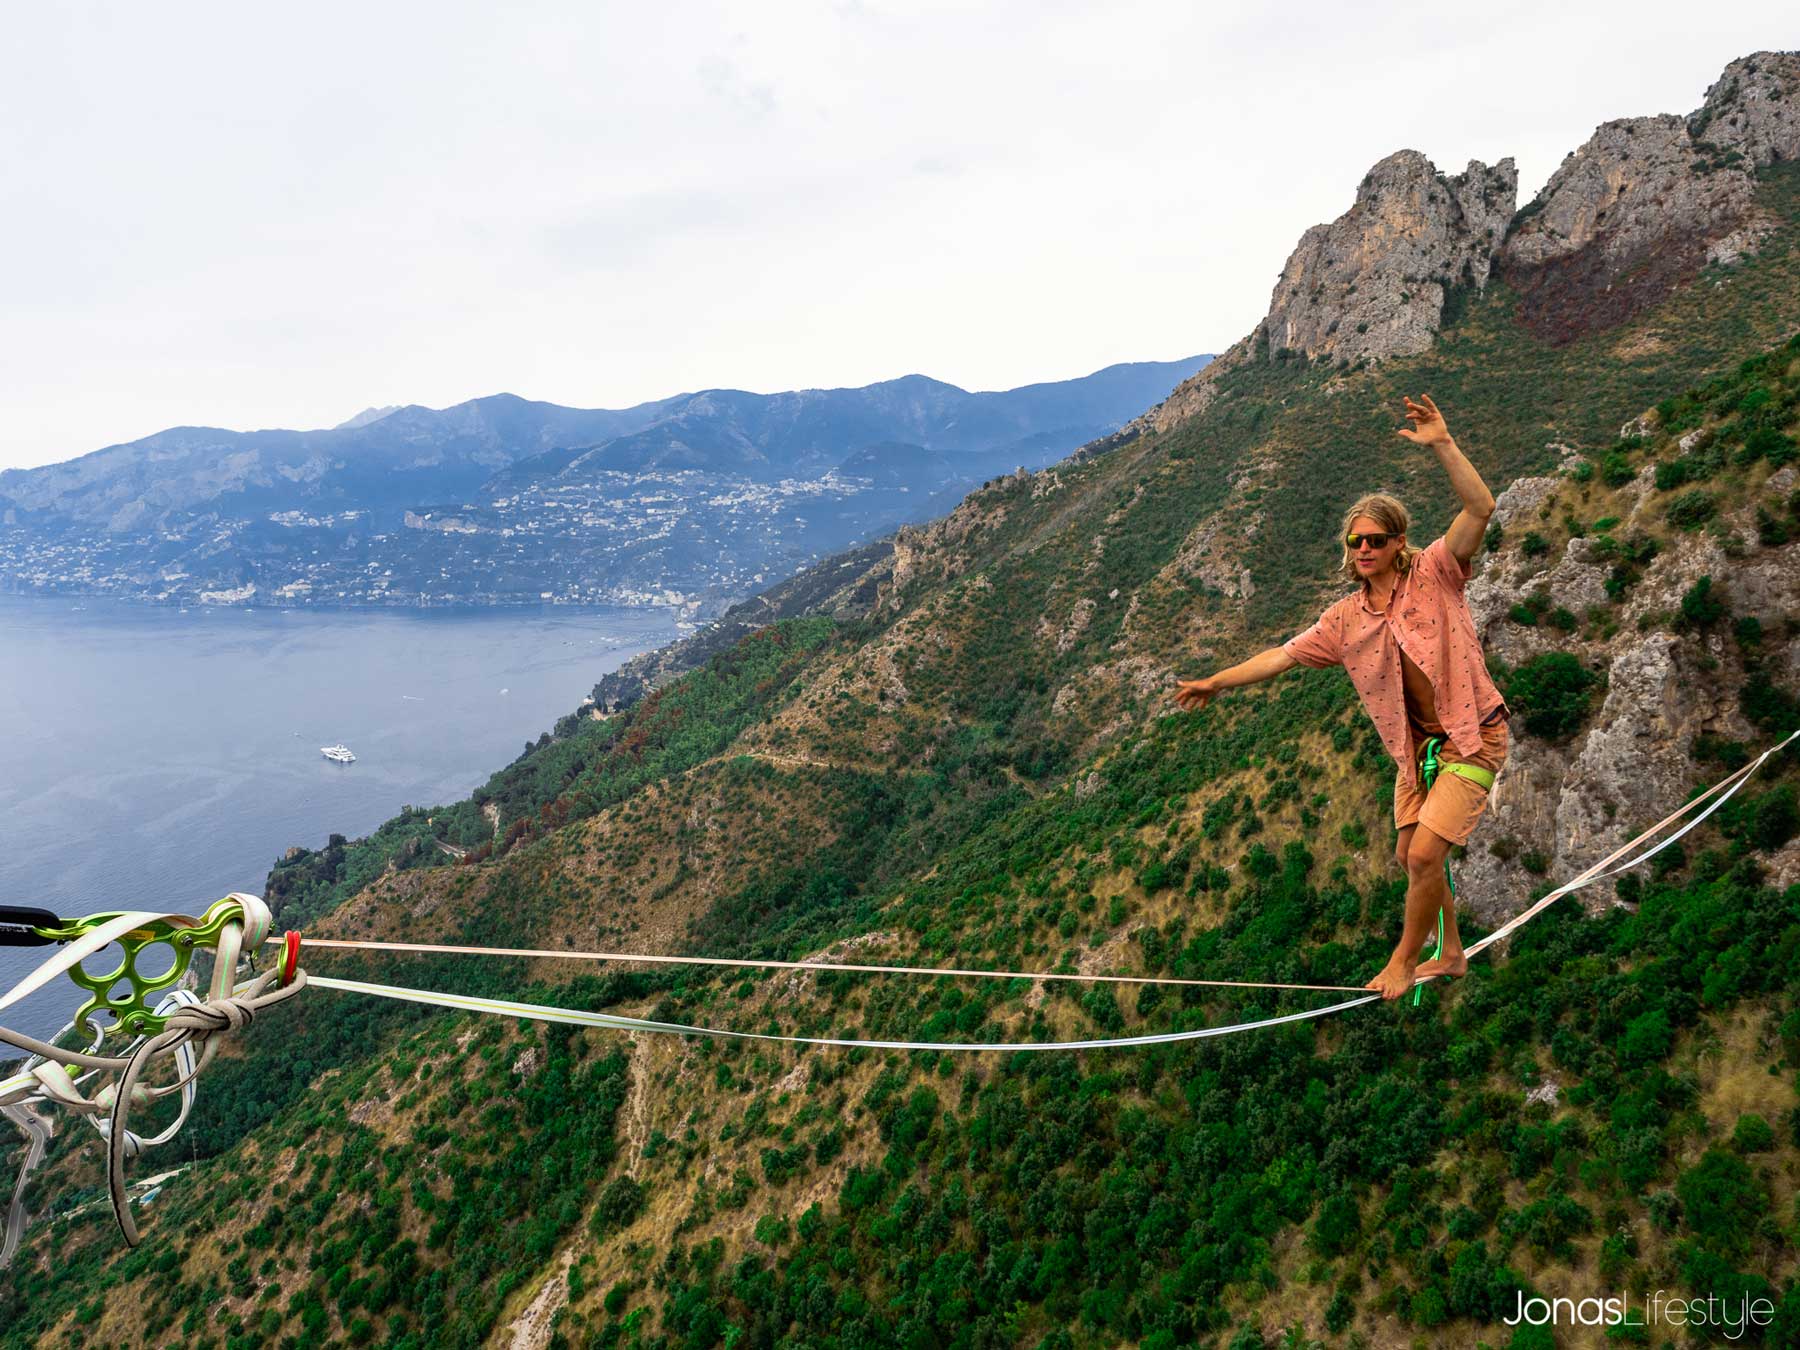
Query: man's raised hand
x=1427, y=422
x=1194, y=695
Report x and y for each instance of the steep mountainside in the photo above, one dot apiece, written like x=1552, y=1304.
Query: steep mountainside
x=957, y=747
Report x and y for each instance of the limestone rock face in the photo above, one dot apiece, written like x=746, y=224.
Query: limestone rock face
x=1632, y=767
x=1625, y=219
x=1636, y=211
x=1648, y=201
x=1575, y=802
x=1754, y=108
x=1372, y=283
x=1578, y=581
x=1605, y=193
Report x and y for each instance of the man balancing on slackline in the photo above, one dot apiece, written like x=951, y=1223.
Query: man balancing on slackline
x=1408, y=641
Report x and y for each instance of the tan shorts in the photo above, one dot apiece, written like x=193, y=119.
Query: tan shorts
x=1454, y=803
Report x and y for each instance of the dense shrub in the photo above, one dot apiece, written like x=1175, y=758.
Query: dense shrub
x=1555, y=692
x=1692, y=509
x=1721, y=1199
x=621, y=1201
x=1776, y=820
x=1700, y=606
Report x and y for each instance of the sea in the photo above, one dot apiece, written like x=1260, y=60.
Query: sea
x=154, y=758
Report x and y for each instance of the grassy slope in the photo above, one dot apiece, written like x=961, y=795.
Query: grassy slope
x=947, y=779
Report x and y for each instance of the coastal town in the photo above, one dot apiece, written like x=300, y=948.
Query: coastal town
x=691, y=540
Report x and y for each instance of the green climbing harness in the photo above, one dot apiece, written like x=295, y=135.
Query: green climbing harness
x=1429, y=768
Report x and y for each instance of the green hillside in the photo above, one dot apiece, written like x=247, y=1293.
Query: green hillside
x=985, y=769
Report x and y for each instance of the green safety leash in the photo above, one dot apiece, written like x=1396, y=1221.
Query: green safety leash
x=1428, y=772
x=1429, y=768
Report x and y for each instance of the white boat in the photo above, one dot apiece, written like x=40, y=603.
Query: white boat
x=337, y=754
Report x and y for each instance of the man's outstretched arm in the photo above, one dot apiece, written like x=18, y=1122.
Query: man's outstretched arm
x=1193, y=695
x=1428, y=429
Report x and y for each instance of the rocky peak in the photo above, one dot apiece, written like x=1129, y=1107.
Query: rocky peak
x=1622, y=222
x=1647, y=201
x=1633, y=213
x=1372, y=283
x=1753, y=109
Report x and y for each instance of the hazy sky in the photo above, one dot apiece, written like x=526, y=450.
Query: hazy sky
x=254, y=215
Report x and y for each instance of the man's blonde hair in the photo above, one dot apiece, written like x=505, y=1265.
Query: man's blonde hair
x=1392, y=516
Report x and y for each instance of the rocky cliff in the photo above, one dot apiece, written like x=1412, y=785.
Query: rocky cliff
x=1638, y=210
x=1372, y=284
x=1646, y=202
x=1671, y=619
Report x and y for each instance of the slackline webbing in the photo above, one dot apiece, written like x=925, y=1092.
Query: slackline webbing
x=1723, y=790
x=429, y=948
x=577, y=1017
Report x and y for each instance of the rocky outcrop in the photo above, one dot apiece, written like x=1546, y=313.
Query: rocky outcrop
x=1573, y=803
x=1636, y=211
x=1202, y=555
x=1188, y=399
x=1622, y=222
x=1753, y=109
x=1372, y=283
x=1648, y=201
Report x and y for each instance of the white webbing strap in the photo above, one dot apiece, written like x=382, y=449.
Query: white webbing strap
x=1595, y=873
x=1722, y=791
x=656, y=959
x=581, y=1018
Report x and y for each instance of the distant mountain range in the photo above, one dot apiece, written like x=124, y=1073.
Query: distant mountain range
x=502, y=499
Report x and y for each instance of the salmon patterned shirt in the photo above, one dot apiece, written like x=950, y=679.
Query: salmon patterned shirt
x=1427, y=616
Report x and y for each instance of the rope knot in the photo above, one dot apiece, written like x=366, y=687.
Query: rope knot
x=197, y=1023
x=209, y=1018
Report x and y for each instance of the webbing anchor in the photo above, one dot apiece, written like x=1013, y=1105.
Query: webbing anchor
x=23, y=926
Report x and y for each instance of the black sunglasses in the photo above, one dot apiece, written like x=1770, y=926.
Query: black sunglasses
x=1372, y=540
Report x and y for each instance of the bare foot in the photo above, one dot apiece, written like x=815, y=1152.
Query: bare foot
x=1452, y=965
x=1395, y=979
